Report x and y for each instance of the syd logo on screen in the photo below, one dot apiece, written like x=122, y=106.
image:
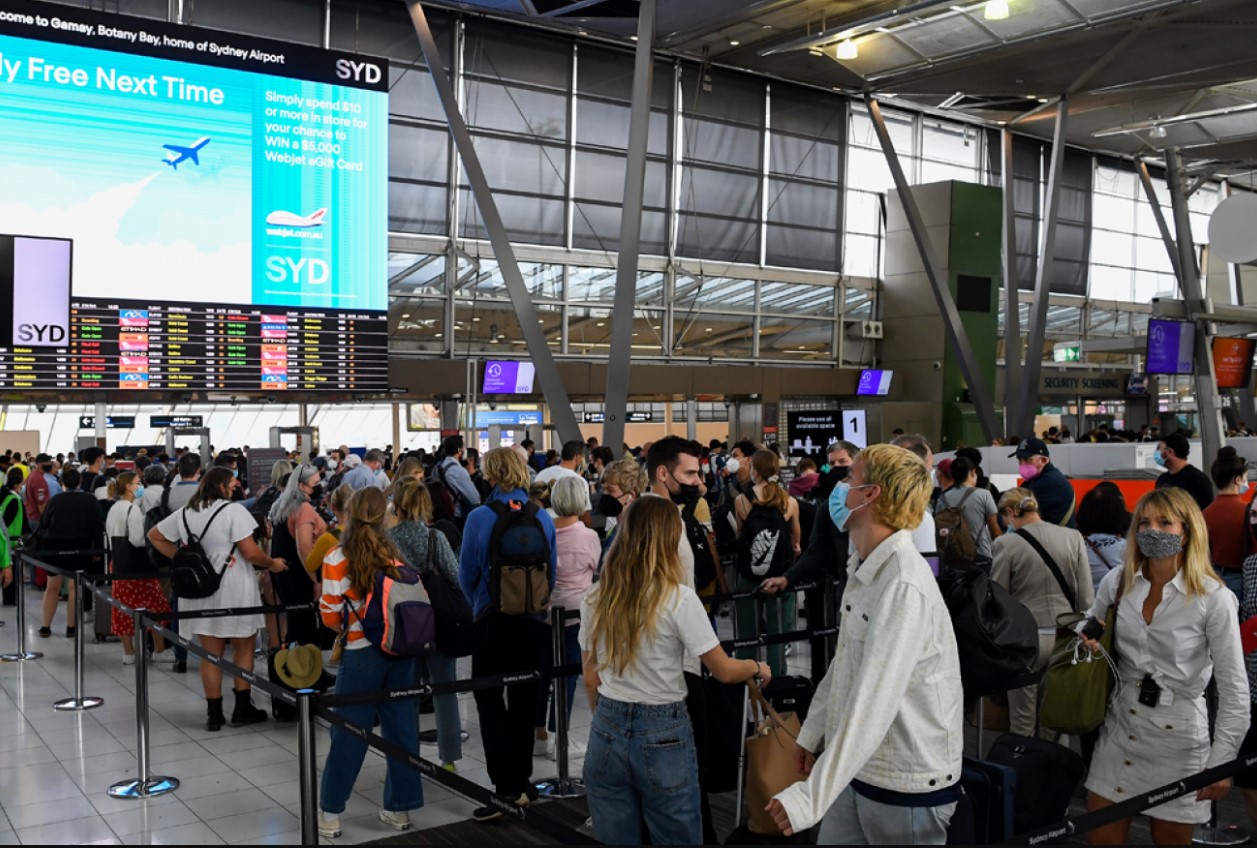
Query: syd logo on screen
x=179, y=153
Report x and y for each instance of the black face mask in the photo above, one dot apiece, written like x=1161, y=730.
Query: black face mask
x=316, y=494
x=609, y=506
x=839, y=473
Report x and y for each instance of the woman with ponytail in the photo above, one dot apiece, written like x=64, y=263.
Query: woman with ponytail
x=349, y=574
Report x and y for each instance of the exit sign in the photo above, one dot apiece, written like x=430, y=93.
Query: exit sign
x=1067, y=352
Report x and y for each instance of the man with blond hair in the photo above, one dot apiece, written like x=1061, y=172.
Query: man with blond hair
x=881, y=751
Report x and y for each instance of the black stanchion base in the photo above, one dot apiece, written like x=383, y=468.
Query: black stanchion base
x=573, y=787
x=150, y=788
x=428, y=737
x=28, y=655
x=75, y=705
x=1222, y=834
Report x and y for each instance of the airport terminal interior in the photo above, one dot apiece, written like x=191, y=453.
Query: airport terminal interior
x=312, y=240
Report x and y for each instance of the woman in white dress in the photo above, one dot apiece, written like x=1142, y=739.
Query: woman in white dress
x=225, y=530
x=1177, y=626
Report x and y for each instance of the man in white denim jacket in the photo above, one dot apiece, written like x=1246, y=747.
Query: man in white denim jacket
x=887, y=719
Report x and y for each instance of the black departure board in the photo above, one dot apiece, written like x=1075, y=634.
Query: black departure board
x=129, y=345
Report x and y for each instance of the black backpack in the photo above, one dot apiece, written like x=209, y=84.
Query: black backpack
x=192, y=575
x=519, y=560
x=996, y=636
x=700, y=544
x=152, y=518
x=454, y=636
x=765, y=548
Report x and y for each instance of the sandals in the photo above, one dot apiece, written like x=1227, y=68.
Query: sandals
x=45, y=632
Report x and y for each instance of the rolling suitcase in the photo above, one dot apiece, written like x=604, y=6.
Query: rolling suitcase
x=1047, y=776
x=790, y=694
x=984, y=814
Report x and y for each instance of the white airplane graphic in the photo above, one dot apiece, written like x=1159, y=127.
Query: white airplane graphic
x=178, y=154
x=280, y=218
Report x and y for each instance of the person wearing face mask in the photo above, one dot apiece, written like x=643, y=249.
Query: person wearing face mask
x=295, y=526
x=1172, y=453
x=1177, y=627
x=1045, y=481
x=880, y=752
x=125, y=528
x=1230, y=531
x=622, y=482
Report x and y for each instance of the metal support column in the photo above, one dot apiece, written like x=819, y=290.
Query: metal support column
x=1012, y=305
x=1029, y=394
x=1171, y=247
x=956, y=334
x=691, y=419
x=630, y=230
x=538, y=348
x=1212, y=433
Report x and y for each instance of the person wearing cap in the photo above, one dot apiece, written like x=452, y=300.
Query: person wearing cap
x=1045, y=481
x=1172, y=453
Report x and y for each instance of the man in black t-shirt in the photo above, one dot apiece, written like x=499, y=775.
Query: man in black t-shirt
x=1172, y=452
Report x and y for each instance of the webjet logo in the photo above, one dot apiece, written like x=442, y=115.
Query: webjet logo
x=35, y=291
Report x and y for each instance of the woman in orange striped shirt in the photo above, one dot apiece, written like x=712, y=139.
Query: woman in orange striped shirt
x=349, y=573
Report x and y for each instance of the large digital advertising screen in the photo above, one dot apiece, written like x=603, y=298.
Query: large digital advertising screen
x=222, y=201
x=1233, y=362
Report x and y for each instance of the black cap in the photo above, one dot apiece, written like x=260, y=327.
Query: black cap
x=1029, y=448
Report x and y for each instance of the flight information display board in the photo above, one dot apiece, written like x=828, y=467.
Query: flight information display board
x=184, y=209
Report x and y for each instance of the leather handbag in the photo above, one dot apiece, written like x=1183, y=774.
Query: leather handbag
x=770, y=764
x=1076, y=688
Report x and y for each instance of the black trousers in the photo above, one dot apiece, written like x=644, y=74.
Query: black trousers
x=505, y=645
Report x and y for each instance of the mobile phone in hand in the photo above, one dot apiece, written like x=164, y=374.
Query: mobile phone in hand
x=1093, y=629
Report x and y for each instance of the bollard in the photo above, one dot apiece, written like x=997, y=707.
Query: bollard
x=307, y=765
x=146, y=785
x=21, y=655
x=79, y=702
x=1214, y=833
x=563, y=785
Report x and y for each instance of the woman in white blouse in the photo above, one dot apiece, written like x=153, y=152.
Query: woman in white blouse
x=1177, y=626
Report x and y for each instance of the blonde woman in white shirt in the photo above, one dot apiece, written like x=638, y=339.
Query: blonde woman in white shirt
x=881, y=748
x=637, y=625
x=1177, y=626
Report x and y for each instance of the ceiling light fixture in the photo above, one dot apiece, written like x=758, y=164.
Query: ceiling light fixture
x=996, y=10
x=733, y=42
x=1157, y=132
x=846, y=51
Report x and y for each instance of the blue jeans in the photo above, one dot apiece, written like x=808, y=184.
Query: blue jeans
x=855, y=820
x=641, y=765
x=436, y=667
x=366, y=670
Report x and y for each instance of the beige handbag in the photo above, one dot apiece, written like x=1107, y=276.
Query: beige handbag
x=770, y=764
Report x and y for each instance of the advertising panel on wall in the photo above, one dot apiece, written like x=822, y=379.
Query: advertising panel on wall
x=1233, y=362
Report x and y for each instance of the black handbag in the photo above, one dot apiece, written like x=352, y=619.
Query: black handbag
x=454, y=621
x=997, y=637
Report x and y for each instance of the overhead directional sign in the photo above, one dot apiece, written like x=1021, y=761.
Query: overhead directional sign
x=1067, y=352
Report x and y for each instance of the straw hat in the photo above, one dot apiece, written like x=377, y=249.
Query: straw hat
x=300, y=666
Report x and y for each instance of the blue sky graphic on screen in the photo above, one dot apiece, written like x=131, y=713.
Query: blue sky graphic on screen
x=508, y=377
x=875, y=382
x=186, y=182
x=1170, y=346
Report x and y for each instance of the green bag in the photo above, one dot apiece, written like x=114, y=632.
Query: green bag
x=1075, y=691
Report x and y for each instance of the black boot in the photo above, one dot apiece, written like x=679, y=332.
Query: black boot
x=245, y=712
x=216, y=718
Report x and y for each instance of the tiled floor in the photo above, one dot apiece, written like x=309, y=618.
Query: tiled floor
x=237, y=785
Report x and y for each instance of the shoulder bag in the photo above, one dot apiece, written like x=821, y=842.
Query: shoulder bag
x=1077, y=686
x=1052, y=566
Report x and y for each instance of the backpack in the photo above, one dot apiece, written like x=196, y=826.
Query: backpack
x=997, y=638
x=152, y=518
x=700, y=544
x=439, y=473
x=127, y=558
x=399, y=618
x=519, y=560
x=953, y=538
x=453, y=636
x=764, y=549
x=261, y=509
x=192, y=575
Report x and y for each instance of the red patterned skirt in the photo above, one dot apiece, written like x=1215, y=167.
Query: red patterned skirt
x=137, y=594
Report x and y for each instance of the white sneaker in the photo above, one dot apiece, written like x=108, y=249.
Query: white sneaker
x=166, y=656
x=574, y=749
x=128, y=659
x=542, y=747
x=329, y=825
x=397, y=821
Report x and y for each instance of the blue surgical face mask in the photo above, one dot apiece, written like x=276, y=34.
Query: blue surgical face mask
x=1244, y=488
x=139, y=492
x=1158, y=458
x=235, y=472
x=839, y=512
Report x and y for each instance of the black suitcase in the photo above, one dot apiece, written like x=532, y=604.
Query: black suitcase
x=790, y=694
x=984, y=814
x=1047, y=776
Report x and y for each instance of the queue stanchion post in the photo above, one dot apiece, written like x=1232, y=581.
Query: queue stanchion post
x=562, y=785
x=21, y=654
x=80, y=701
x=308, y=765
x=1214, y=833
x=147, y=785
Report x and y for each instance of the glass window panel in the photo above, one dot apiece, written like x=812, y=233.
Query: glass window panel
x=1149, y=285
x=492, y=327
x=937, y=172
x=520, y=166
x=722, y=95
x=863, y=213
x=714, y=335
x=290, y=20
x=598, y=284
x=796, y=339
x=518, y=55
x=419, y=324
x=1121, y=182
x=1200, y=227
x=602, y=124
x=1112, y=248
x=418, y=153
x=797, y=299
x=416, y=274
x=1151, y=255
x=867, y=170
x=807, y=112
x=861, y=256
x=704, y=237
x=1111, y=283
x=949, y=143
x=809, y=158
x=589, y=332
x=1103, y=322
x=1064, y=321
x=897, y=124
x=527, y=219
x=726, y=144
x=411, y=94
x=542, y=280
x=714, y=292
x=600, y=176
x=801, y=247
x=1146, y=219
x=858, y=303
x=520, y=111
x=416, y=208
x=606, y=72
x=1115, y=212
x=803, y=204
x=1139, y=323
x=708, y=191
x=597, y=227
